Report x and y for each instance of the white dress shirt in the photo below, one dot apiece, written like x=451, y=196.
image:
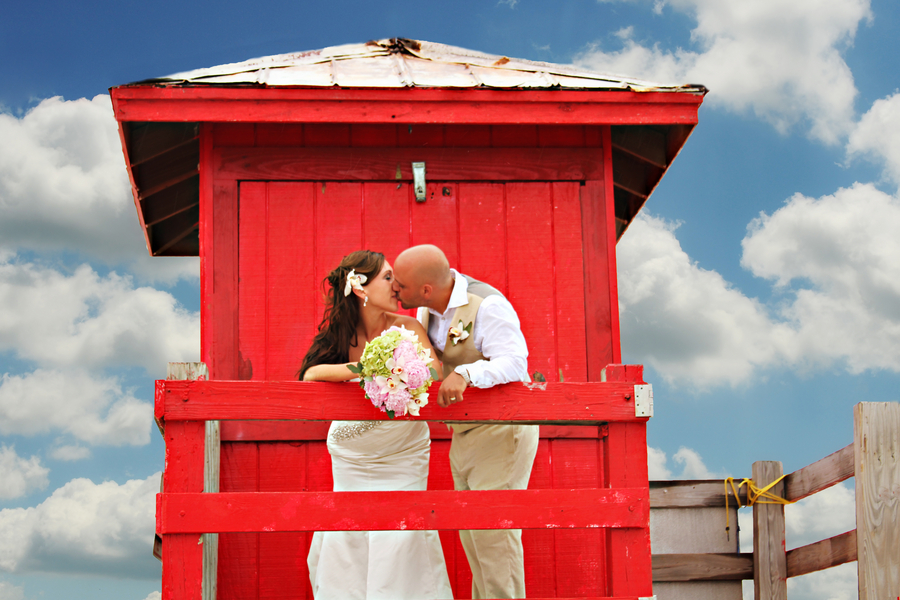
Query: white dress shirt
x=496, y=333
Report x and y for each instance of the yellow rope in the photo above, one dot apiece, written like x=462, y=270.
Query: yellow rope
x=753, y=497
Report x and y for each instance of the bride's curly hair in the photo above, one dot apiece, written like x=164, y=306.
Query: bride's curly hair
x=337, y=331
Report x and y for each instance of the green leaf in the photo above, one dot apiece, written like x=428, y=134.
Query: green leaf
x=434, y=374
x=355, y=369
x=390, y=413
x=561, y=376
x=539, y=377
x=468, y=328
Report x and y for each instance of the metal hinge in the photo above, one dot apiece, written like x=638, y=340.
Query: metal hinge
x=643, y=400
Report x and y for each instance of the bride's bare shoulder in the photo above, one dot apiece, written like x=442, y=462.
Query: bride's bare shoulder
x=406, y=321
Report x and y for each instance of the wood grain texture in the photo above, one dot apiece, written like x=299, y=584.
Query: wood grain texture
x=597, y=292
x=691, y=494
x=425, y=106
x=552, y=403
x=371, y=511
x=820, y=475
x=702, y=567
x=441, y=164
x=820, y=555
x=876, y=443
x=769, y=561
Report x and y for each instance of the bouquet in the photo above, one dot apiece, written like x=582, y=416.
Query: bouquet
x=395, y=371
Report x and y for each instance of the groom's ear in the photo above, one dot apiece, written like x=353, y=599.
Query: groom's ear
x=426, y=291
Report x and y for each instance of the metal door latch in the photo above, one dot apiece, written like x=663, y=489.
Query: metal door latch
x=418, y=169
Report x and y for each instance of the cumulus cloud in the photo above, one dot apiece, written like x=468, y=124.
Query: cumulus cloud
x=70, y=453
x=154, y=596
x=63, y=186
x=876, y=137
x=843, y=249
x=781, y=61
x=692, y=465
x=84, y=319
x=92, y=409
x=84, y=527
x=689, y=323
x=20, y=476
x=9, y=591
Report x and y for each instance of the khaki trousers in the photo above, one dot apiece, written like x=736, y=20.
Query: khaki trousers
x=494, y=457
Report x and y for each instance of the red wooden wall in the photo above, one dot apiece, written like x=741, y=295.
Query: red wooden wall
x=523, y=208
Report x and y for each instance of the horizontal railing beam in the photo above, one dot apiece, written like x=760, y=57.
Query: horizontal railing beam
x=821, y=555
x=702, y=567
x=543, y=403
x=820, y=475
x=401, y=510
x=693, y=493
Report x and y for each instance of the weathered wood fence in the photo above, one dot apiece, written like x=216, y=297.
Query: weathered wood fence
x=873, y=458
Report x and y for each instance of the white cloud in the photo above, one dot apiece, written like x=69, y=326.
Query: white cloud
x=20, y=476
x=844, y=247
x=685, y=321
x=836, y=583
x=154, y=596
x=86, y=528
x=94, y=410
x=876, y=135
x=9, y=591
x=781, y=60
x=63, y=186
x=656, y=464
x=83, y=319
x=690, y=461
x=70, y=453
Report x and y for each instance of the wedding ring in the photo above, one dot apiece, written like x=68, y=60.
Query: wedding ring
x=452, y=398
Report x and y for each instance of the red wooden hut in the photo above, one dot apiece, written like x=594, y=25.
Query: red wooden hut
x=272, y=169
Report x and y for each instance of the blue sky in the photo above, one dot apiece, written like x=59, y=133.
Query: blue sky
x=760, y=288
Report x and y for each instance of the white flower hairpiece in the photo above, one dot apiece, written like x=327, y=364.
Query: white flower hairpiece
x=354, y=281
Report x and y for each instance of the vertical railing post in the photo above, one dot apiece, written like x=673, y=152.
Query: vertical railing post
x=182, y=554
x=876, y=449
x=769, y=557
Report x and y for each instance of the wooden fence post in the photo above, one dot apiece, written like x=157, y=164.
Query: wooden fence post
x=769, y=557
x=876, y=444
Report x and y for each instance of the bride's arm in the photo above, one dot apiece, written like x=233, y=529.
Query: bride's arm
x=329, y=373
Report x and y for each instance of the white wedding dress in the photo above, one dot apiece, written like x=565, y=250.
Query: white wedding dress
x=378, y=565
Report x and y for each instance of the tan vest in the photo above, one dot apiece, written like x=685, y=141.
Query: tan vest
x=464, y=352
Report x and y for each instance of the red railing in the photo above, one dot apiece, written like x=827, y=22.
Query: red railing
x=185, y=510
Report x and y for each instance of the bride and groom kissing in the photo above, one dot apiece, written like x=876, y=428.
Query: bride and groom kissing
x=475, y=333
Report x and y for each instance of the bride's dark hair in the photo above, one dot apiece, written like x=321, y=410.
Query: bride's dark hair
x=337, y=331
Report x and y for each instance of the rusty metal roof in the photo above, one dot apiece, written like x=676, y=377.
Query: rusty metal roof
x=399, y=62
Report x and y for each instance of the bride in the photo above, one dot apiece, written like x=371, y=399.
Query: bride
x=370, y=455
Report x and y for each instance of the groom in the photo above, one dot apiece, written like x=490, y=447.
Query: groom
x=476, y=334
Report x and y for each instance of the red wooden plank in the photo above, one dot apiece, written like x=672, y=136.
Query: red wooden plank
x=283, y=573
x=291, y=288
x=421, y=135
x=326, y=134
x=451, y=165
x=540, y=545
x=571, y=345
x=205, y=233
x=611, y=239
x=238, y=575
x=338, y=217
x=435, y=221
x=182, y=569
x=252, y=261
x=456, y=136
x=597, y=294
x=222, y=305
x=529, y=223
x=386, y=218
x=234, y=134
x=555, y=136
x=372, y=511
x=482, y=229
x=520, y=403
x=524, y=136
x=379, y=136
x=475, y=106
x=279, y=134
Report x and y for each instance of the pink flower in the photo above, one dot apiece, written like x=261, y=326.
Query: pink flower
x=376, y=393
x=397, y=401
x=405, y=350
x=416, y=374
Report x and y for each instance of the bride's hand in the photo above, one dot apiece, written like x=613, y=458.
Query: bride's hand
x=334, y=373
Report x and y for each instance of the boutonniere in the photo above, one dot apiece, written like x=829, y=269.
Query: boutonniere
x=460, y=332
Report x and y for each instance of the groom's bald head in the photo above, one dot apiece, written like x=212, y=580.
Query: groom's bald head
x=422, y=276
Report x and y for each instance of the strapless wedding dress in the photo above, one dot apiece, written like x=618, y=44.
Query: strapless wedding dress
x=378, y=565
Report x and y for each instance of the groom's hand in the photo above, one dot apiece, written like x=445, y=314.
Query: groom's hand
x=451, y=390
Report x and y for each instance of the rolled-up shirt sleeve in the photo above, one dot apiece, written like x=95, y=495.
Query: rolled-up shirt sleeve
x=498, y=336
